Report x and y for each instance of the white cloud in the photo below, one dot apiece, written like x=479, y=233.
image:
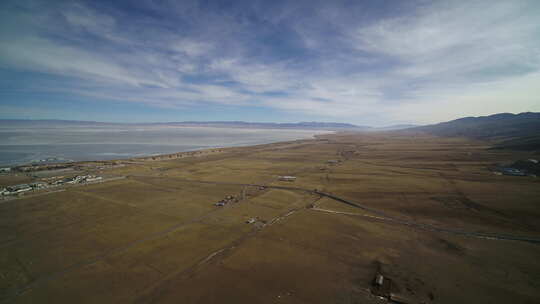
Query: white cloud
x=43, y=55
x=191, y=47
x=81, y=17
x=519, y=94
x=438, y=62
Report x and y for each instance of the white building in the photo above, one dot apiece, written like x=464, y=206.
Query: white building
x=93, y=178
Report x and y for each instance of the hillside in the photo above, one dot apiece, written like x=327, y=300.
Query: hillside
x=520, y=131
x=504, y=125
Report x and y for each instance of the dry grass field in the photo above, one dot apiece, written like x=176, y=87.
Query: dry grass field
x=156, y=236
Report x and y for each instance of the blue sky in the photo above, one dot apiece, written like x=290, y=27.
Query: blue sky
x=364, y=62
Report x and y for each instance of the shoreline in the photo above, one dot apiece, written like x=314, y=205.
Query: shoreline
x=38, y=177
x=84, y=164
x=42, y=146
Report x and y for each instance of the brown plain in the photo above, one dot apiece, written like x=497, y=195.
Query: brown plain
x=156, y=236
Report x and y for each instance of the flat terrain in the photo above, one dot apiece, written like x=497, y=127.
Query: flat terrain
x=423, y=211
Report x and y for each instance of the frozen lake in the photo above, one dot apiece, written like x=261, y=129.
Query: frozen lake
x=24, y=144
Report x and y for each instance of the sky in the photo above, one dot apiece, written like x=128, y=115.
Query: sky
x=373, y=63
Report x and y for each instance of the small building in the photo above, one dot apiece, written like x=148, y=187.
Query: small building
x=38, y=185
x=59, y=182
x=512, y=171
x=287, y=178
x=332, y=161
x=251, y=220
x=5, y=170
x=77, y=179
x=16, y=189
x=91, y=178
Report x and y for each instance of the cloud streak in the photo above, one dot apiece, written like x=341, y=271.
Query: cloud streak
x=366, y=63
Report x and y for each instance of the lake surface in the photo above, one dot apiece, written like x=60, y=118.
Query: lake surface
x=19, y=145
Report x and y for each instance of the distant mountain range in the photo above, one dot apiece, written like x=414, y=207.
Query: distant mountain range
x=269, y=125
x=332, y=126
x=498, y=126
x=516, y=131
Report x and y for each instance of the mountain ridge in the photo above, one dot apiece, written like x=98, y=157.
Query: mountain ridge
x=510, y=131
x=491, y=126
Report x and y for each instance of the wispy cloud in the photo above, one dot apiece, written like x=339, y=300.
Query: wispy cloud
x=367, y=63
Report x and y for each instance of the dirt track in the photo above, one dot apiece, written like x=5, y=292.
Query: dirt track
x=383, y=216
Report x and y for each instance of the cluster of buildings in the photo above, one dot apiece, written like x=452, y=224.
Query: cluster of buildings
x=21, y=188
x=528, y=167
x=510, y=171
x=79, y=179
x=225, y=201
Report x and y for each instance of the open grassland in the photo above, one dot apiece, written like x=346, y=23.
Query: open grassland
x=156, y=236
